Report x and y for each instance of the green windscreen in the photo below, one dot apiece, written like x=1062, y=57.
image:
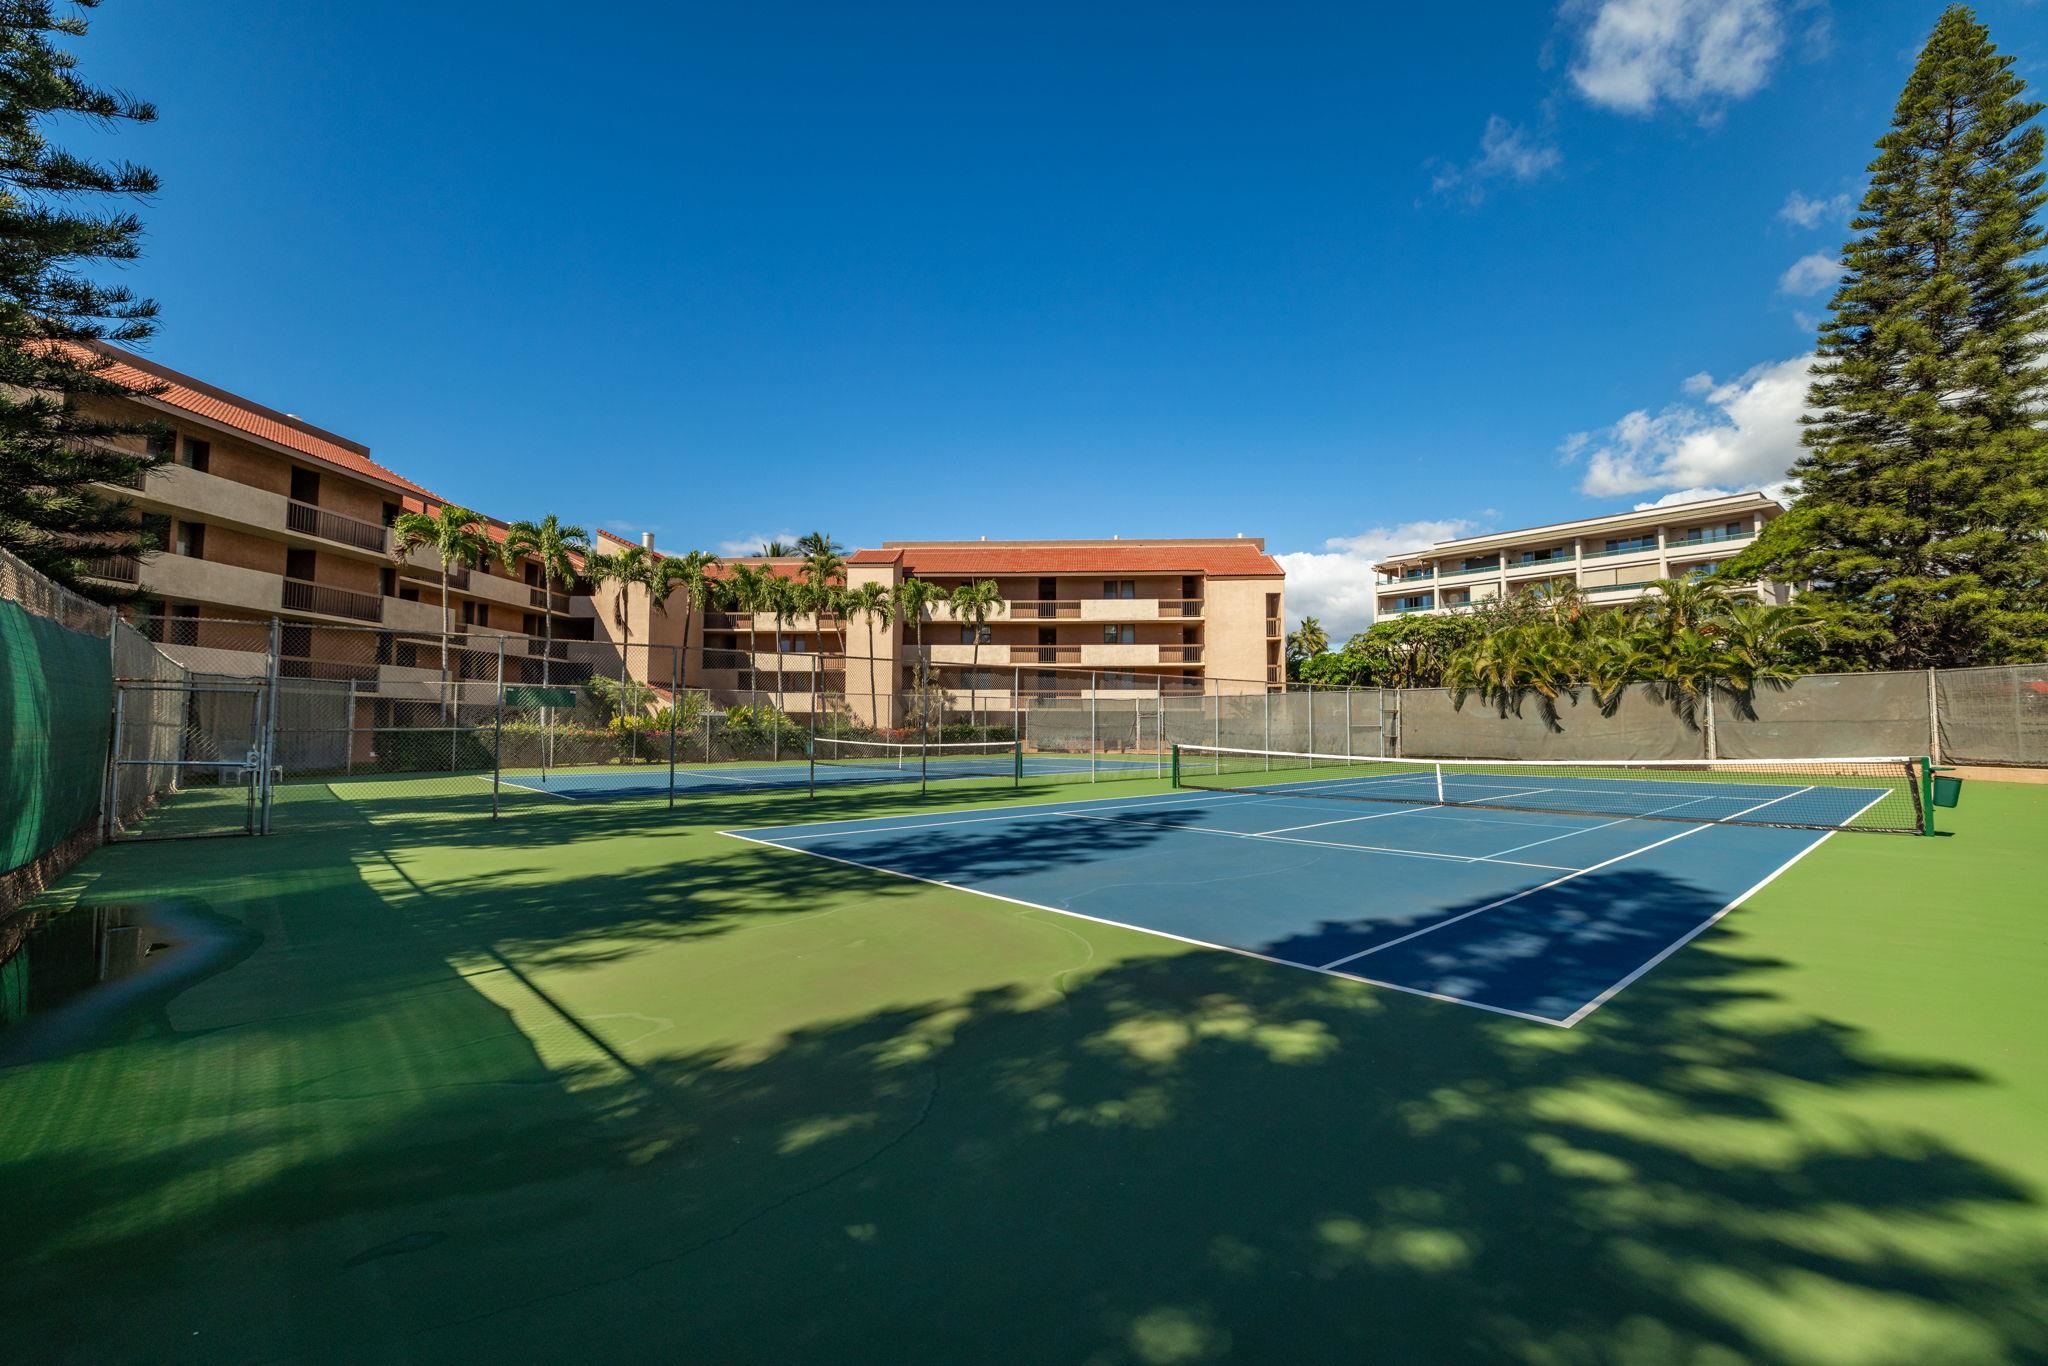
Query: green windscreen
x=56, y=702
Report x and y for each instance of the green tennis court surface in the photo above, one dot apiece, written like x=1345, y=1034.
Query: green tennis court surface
x=593, y=1082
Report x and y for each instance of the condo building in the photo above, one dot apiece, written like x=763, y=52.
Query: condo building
x=261, y=517
x=1612, y=559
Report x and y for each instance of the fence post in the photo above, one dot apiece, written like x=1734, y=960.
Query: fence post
x=1349, y=693
x=498, y=731
x=811, y=747
x=111, y=786
x=675, y=715
x=1712, y=740
x=266, y=755
x=1933, y=718
x=1311, y=720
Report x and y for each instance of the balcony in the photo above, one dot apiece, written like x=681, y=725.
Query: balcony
x=114, y=569
x=318, y=598
x=1650, y=549
x=1181, y=608
x=1709, y=538
x=308, y=520
x=1493, y=568
x=1415, y=607
x=212, y=584
x=553, y=602
x=1556, y=567
x=1635, y=587
x=1043, y=608
x=1180, y=654
x=1045, y=654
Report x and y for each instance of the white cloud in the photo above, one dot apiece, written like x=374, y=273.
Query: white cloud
x=1506, y=152
x=751, y=543
x=1637, y=54
x=1810, y=274
x=1335, y=586
x=1741, y=433
x=1802, y=212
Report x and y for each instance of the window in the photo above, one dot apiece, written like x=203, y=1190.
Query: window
x=1617, y=544
x=1120, y=635
x=387, y=581
x=197, y=454
x=1554, y=553
x=295, y=641
x=163, y=445
x=968, y=634
x=192, y=540
x=1416, y=571
x=1190, y=586
x=1048, y=635
x=298, y=564
x=305, y=485
x=1123, y=589
x=184, y=625
x=1417, y=602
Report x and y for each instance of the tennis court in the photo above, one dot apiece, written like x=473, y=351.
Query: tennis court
x=1464, y=883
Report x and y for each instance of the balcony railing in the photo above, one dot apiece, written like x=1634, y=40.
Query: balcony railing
x=1493, y=568
x=553, y=602
x=1042, y=608
x=1045, y=654
x=1180, y=607
x=1619, y=587
x=1709, y=538
x=300, y=596
x=1413, y=607
x=117, y=568
x=1272, y=628
x=1649, y=549
x=1180, y=654
x=309, y=520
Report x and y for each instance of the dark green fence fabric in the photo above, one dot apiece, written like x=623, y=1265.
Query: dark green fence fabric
x=56, y=704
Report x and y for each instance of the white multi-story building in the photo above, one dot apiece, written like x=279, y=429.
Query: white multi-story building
x=1611, y=559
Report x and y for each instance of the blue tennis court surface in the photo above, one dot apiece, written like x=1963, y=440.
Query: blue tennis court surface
x=1543, y=916
x=651, y=780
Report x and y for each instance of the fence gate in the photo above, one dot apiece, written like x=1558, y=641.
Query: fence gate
x=189, y=759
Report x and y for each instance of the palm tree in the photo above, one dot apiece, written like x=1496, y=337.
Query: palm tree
x=1683, y=604
x=775, y=550
x=915, y=599
x=630, y=566
x=1306, y=641
x=690, y=572
x=815, y=543
x=785, y=599
x=974, y=602
x=460, y=541
x=871, y=603
x=748, y=589
x=1505, y=667
x=556, y=549
x=1758, y=643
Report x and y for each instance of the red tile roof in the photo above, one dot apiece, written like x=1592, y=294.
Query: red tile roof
x=1217, y=559
x=253, y=419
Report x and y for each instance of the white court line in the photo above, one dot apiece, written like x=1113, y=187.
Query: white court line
x=1328, y=844
x=1554, y=882
x=1416, y=809
x=1587, y=830
x=1160, y=934
x=507, y=782
x=1675, y=945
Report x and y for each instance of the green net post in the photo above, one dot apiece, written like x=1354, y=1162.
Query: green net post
x=1176, y=765
x=1926, y=795
x=1017, y=762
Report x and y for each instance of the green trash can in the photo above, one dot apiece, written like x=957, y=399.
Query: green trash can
x=1947, y=790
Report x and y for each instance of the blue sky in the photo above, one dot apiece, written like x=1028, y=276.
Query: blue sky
x=1345, y=279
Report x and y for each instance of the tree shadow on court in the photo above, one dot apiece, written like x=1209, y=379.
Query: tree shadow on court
x=1154, y=1155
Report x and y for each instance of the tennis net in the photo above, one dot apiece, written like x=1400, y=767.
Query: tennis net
x=1886, y=794
x=910, y=761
